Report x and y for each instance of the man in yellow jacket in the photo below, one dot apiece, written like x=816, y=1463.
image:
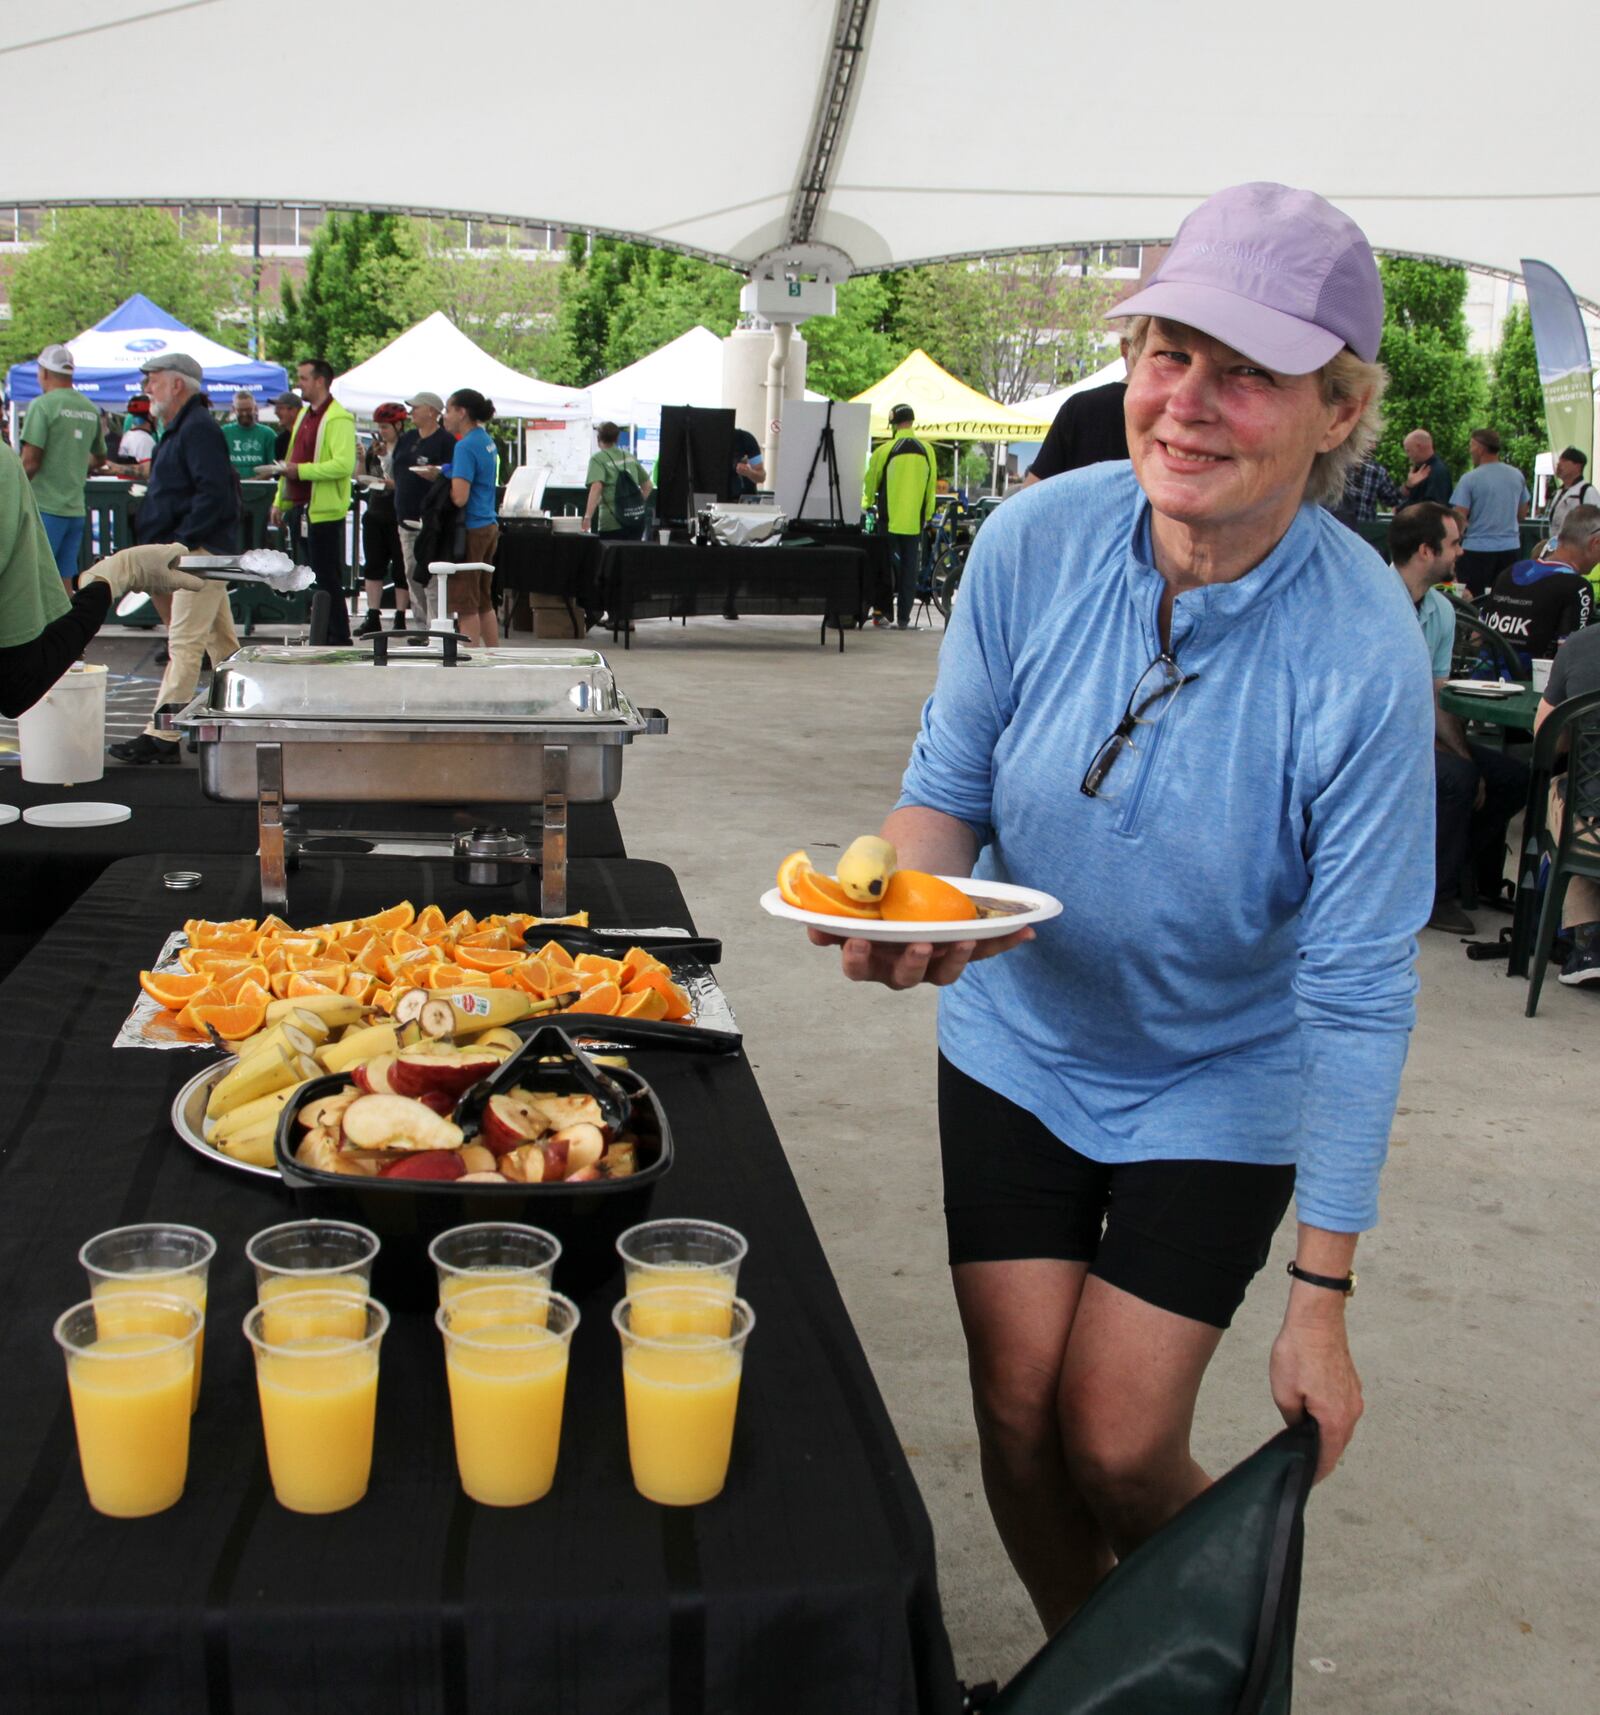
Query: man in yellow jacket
x=314, y=489
x=900, y=482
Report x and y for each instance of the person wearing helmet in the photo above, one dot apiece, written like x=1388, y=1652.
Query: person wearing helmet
x=382, y=559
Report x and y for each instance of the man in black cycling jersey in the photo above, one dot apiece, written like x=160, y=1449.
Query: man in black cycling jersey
x=1535, y=603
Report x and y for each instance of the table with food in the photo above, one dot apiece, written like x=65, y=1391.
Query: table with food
x=522, y=1366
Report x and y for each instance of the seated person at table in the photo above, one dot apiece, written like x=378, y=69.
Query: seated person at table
x=1476, y=791
x=1576, y=672
x=1537, y=603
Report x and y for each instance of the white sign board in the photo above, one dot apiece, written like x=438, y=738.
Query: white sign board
x=804, y=456
x=562, y=445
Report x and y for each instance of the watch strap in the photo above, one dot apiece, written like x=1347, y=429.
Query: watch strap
x=1342, y=1283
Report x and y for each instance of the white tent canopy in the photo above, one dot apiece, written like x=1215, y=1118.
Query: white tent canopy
x=437, y=356
x=1048, y=404
x=893, y=130
x=685, y=371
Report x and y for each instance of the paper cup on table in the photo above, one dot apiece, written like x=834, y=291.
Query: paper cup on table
x=664, y=536
x=153, y=1256
x=63, y=736
x=680, y=1385
x=317, y=1378
x=1541, y=672
x=505, y=1352
x=131, y=1364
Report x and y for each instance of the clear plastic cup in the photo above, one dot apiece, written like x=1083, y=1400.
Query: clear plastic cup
x=506, y=1350
x=131, y=1361
x=317, y=1378
x=681, y=1389
x=154, y=1256
x=702, y=1255
x=312, y=1256
x=493, y=1253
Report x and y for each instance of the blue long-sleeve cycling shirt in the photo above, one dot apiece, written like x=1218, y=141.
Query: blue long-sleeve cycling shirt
x=1232, y=976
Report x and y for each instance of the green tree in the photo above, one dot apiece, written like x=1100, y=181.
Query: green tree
x=620, y=302
x=366, y=281
x=504, y=303
x=858, y=345
x=94, y=258
x=1009, y=326
x=1516, y=400
x=1434, y=381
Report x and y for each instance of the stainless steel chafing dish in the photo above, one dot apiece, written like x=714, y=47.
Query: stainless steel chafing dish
x=441, y=724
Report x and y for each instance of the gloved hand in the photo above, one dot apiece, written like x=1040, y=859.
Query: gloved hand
x=148, y=569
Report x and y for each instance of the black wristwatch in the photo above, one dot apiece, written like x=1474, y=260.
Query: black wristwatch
x=1341, y=1283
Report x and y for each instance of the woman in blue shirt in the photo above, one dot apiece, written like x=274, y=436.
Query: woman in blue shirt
x=474, y=477
x=1180, y=697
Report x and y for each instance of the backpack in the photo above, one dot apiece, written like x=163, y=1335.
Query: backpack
x=906, y=444
x=628, y=502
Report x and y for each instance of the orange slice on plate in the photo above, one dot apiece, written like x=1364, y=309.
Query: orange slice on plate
x=607, y=970
x=814, y=892
x=675, y=999
x=429, y=919
x=400, y=916
x=603, y=997
x=646, y=1004
x=912, y=896
x=231, y=1023
x=487, y=958
x=553, y=953
x=788, y=870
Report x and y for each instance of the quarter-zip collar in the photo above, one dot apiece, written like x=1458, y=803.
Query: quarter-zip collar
x=1212, y=607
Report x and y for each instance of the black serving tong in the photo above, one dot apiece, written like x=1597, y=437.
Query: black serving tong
x=616, y=1105
x=647, y=1032
x=576, y=939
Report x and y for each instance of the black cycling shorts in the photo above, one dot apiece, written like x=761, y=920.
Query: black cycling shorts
x=1186, y=1236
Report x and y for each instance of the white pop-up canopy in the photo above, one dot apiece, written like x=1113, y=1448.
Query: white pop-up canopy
x=437, y=356
x=685, y=371
x=892, y=130
x=1047, y=404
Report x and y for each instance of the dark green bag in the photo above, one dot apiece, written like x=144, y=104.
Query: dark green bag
x=1199, y=1619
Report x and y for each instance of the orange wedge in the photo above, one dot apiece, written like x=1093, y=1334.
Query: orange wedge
x=532, y=976
x=429, y=918
x=383, y=999
x=300, y=983
x=463, y=923
x=294, y=943
x=252, y=976
x=487, y=958
x=443, y=976
x=273, y=925
x=814, y=892
x=375, y=962
x=234, y=946
x=495, y=937
x=174, y=989
x=400, y=916
x=231, y=1023
x=788, y=871
x=206, y=997
x=603, y=997
x=357, y=941
x=562, y=979
x=553, y=953
x=202, y=930
x=647, y=1004
x=607, y=970
x=660, y=982
x=403, y=941
x=360, y=987
x=216, y=965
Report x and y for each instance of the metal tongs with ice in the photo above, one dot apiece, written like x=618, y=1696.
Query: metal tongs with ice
x=268, y=567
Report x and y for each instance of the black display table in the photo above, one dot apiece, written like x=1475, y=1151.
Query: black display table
x=43, y=870
x=806, y=1588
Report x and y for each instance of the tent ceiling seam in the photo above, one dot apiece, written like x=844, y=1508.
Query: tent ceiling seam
x=109, y=24
x=829, y=119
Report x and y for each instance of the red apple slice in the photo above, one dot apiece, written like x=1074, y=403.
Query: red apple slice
x=441, y=1101
x=395, y=1122
x=555, y=1157
x=454, y=1072
x=525, y=1165
x=585, y=1145
x=584, y=1175
x=373, y=1075
x=438, y=1164
x=508, y=1124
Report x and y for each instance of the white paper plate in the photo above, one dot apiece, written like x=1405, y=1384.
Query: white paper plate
x=189, y=1120
x=8, y=814
x=74, y=815
x=1033, y=907
x=1485, y=687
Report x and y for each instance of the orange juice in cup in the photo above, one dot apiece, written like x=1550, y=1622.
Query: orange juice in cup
x=131, y=1380
x=493, y=1253
x=506, y=1362
x=319, y=1394
x=314, y=1256
x=152, y=1257
x=681, y=1389
x=701, y=1255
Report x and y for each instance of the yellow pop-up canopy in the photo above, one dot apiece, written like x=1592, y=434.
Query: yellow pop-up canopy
x=947, y=409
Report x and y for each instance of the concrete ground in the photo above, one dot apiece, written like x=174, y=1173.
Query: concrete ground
x=1451, y=1562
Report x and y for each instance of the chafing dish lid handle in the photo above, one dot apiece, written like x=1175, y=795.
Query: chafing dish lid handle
x=452, y=647
x=655, y=720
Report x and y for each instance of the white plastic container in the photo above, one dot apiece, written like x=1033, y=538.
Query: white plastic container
x=63, y=736
x=1541, y=671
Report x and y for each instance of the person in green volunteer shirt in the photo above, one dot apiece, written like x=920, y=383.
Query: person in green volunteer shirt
x=901, y=482
x=62, y=441
x=600, y=505
x=251, y=443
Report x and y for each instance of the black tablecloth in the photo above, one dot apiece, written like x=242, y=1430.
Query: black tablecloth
x=43, y=870
x=808, y=1585
x=546, y=562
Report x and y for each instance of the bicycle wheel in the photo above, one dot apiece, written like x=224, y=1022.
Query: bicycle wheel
x=947, y=570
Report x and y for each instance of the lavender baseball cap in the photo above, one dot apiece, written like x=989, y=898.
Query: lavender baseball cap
x=1279, y=274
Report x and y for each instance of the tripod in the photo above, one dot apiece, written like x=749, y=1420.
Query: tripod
x=828, y=452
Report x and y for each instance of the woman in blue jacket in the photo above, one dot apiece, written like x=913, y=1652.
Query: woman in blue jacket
x=1182, y=698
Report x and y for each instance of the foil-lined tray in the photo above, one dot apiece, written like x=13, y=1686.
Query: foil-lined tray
x=152, y=1026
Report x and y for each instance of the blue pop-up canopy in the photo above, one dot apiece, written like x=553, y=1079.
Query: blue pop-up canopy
x=107, y=358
